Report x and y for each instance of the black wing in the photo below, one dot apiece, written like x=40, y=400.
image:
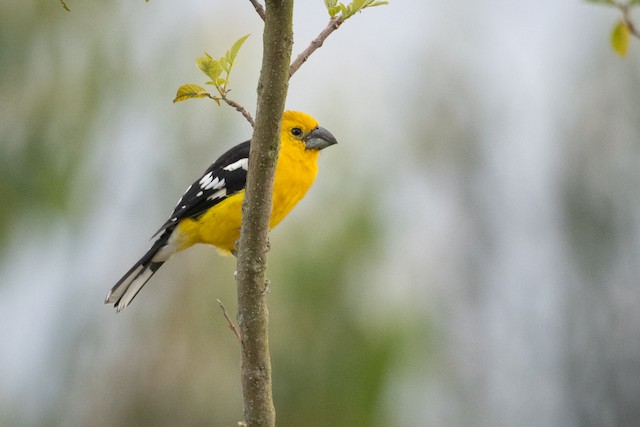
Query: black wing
x=225, y=177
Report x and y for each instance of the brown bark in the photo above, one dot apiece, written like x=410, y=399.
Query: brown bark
x=253, y=246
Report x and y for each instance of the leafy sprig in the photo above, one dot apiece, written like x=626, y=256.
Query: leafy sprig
x=339, y=13
x=347, y=11
x=218, y=71
x=624, y=28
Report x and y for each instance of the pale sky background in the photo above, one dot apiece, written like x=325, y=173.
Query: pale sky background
x=475, y=233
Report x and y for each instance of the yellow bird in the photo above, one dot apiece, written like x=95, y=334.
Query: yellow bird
x=210, y=211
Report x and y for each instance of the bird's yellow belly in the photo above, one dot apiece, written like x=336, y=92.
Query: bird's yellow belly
x=220, y=225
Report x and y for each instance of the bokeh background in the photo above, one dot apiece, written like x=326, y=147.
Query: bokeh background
x=469, y=255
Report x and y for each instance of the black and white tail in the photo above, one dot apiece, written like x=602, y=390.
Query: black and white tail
x=128, y=287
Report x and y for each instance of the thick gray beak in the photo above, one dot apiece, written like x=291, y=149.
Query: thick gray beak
x=319, y=138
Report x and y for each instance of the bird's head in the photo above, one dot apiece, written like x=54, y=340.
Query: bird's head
x=301, y=126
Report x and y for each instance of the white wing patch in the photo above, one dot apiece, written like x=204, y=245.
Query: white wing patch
x=213, y=184
x=210, y=183
x=242, y=163
x=206, y=180
x=218, y=194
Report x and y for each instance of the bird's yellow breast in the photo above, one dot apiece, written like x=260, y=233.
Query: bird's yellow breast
x=296, y=170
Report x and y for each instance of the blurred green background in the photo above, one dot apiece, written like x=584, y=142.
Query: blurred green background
x=469, y=255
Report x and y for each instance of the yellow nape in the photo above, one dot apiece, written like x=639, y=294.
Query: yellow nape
x=296, y=170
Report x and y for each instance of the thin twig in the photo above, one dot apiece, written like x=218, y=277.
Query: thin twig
x=258, y=7
x=240, y=109
x=626, y=17
x=333, y=25
x=229, y=322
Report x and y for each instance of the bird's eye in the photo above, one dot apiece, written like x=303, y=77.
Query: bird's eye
x=296, y=131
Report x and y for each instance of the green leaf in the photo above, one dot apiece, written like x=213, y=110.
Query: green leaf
x=209, y=66
x=333, y=11
x=225, y=64
x=334, y=8
x=220, y=83
x=64, y=5
x=347, y=11
x=214, y=68
x=189, y=91
x=620, y=38
x=233, y=52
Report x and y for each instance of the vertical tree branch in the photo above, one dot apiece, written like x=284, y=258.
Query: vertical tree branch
x=252, y=253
